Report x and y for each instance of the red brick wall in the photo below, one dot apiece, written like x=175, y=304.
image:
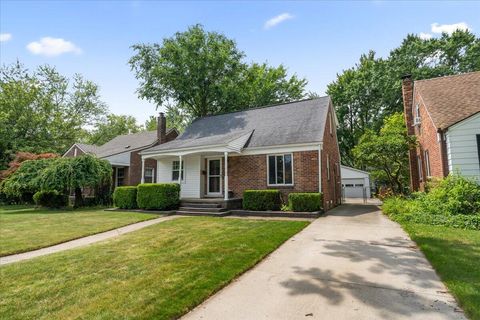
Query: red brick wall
x=407, y=93
x=250, y=172
x=427, y=139
x=331, y=188
x=135, y=172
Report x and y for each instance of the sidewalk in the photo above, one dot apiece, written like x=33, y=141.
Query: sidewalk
x=83, y=241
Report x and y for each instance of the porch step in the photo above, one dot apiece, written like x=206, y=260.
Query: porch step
x=200, y=213
x=200, y=205
x=202, y=209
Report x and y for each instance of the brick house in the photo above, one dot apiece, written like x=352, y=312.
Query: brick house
x=123, y=153
x=291, y=147
x=444, y=114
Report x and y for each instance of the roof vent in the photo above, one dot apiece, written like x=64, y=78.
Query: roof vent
x=126, y=147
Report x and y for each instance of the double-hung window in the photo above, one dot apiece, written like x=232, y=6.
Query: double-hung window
x=120, y=176
x=420, y=168
x=148, y=177
x=427, y=163
x=280, y=169
x=177, y=171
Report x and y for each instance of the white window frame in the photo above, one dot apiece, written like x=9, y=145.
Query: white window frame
x=181, y=171
x=145, y=174
x=268, y=170
x=427, y=163
x=331, y=124
x=328, y=167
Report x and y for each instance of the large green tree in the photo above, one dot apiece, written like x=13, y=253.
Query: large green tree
x=112, y=126
x=197, y=73
x=44, y=111
x=370, y=91
x=386, y=154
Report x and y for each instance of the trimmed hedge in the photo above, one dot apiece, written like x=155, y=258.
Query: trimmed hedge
x=262, y=200
x=125, y=197
x=158, y=196
x=305, y=201
x=50, y=199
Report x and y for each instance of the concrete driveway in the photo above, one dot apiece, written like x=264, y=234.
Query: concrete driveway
x=352, y=264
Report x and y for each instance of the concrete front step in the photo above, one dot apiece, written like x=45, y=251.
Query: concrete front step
x=200, y=205
x=201, y=213
x=202, y=209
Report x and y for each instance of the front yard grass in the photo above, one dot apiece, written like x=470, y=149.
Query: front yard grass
x=159, y=272
x=24, y=228
x=455, y=255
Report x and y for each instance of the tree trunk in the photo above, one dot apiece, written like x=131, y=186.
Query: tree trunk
x=78, y=198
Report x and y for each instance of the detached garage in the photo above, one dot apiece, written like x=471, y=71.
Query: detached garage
x=355, y=183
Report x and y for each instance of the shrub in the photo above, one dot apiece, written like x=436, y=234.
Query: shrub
x=452, y=196
x=305, y=201
x=261, y=200
x=50, y=199
x=125, y=197
x=159, y=196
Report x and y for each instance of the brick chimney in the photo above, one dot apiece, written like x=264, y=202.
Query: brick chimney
x=161, y=128
x=407, y=93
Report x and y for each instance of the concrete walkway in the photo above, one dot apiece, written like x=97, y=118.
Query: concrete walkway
x=83, y=241
x=352, y=264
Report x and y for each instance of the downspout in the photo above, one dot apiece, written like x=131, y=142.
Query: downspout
x=320, y=168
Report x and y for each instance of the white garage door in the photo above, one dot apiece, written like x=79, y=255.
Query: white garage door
x=353, y=188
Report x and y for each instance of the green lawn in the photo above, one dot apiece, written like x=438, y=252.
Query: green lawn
x=455, y=255
x=159, y=272
x=24, y=228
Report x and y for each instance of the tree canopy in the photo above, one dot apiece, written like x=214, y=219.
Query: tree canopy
x=112, y=126
x=386, y=153
x=367, y=93
x=44, y=111
x=197, y=73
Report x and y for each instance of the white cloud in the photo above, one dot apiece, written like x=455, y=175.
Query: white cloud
x=270, y=23
x=449, y=28
x=51, y=47
x=425, y=36
x=4, y=37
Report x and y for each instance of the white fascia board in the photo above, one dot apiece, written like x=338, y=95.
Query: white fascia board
x=281, y=149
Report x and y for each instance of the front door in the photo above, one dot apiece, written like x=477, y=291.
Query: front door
x=214, y=177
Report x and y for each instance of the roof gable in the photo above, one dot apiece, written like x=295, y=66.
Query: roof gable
x=288, y=123
x=450, y=99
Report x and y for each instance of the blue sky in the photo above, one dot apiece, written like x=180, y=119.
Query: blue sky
x=315, y=40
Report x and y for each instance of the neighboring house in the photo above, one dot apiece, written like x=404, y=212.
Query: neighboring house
x=123, y=153
x=355, y=183
x=444, y=114
x=273, y=147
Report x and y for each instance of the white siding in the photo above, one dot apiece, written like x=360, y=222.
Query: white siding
x=462, y=147
x=190, y=186
x=355, y=177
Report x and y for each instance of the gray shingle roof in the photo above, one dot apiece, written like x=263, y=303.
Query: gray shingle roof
x=122, y=143
x=288, y=123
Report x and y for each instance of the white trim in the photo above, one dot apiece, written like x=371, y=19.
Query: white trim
x=287, y=148
x=142, y=179
x=268, y=170
x=328, y=167
x=354, y=169
x=225, y=177
x=219, y=176
x=74, y=145
x=320, y=168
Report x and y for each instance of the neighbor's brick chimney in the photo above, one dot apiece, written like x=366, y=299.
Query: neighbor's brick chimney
x=161, y=128
x=407, y=93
